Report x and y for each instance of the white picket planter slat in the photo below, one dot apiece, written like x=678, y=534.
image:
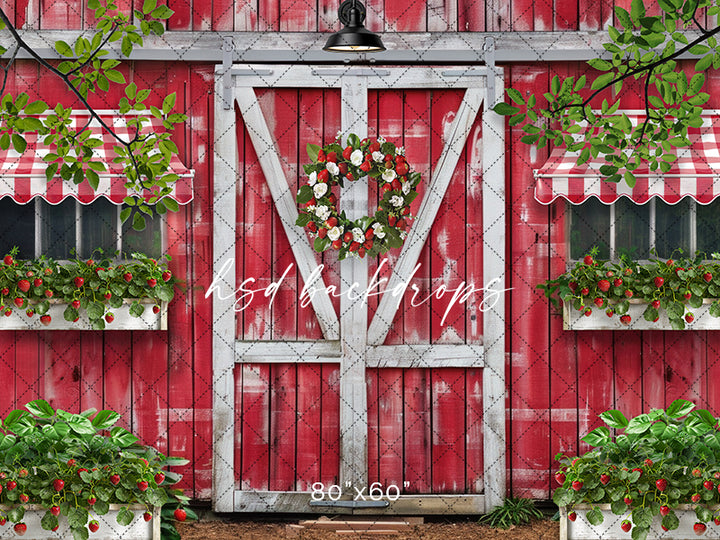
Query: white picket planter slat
x=610, y=529
x=18, y=320
x=139, y=529
x=598, y=320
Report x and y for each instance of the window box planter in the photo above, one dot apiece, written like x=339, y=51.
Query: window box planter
x=139, y=529
x=598, y=320
x=610, y=529
x=19, y=320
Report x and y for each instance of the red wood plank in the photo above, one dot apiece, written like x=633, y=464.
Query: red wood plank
x=375, y=20
x=92, y=371
x=27, y=369
x=8, y=373
x=310, y=105
x=417, y=463
x=405, y=17
x=471, y=16
x=255, y=427
x=309, y=421
x=200, y=113
x=246, y=16
x=222, y=15
x=474, y=278
x=330, y=425
x=268, y=16
x=257, y=249
x=593, y=14
x=328, y=20
x=59, y=363
x=283, y=121
x=686, y=366
x=150, y=387
x=61, y=15
x=390, y=427
x=447, y=250
x=654, y=369
x=524, y=18
x=238, y=425
x=442, y=15
x=474, y=432
x=566, y=16
x=182, y=19
x=528, y=331
x=595, y=378
x=373, y=411
x=712, y=391
x=117, y=375
x=298, y=16
x=8, y=8
x=283, y=411
x=448, y=430
x=628, y=372
x=27, y=14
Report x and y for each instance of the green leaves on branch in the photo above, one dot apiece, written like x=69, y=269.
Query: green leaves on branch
x=579, y=114
x=85, y=69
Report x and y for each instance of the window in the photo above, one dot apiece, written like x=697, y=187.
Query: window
x=627, y=228
x=39, y=228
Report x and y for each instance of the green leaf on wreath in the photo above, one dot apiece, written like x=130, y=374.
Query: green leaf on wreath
x=303, y=219
x=305, y=193
x=313, y=150
x=321, y=244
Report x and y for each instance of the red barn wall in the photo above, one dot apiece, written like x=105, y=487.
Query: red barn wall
x=161, y=382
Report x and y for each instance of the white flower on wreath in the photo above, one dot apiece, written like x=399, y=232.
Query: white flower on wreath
x=322, y=212
x=389, y=175
x=338, y=135
x=334, y=233
x=332, y=168
x=358, y=235
x=400, y=150
x=378, y=156
x=396, y=201
x=319, y=190
x=312, y=178
x=403, y=235
x=378, y=230
x=406, y=187
x=310, y=209
x=381, y=140
x=356, y=158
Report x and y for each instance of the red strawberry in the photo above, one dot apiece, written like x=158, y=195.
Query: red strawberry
x=48, y=271
x=664, y=510
x=29, y=273
x=159, y=478
x=30, y=313
x=55, y=511
x=142, y=485
x=321, y=155
x=76, y=304
x=628, y=271
x=90, y=262
x=689, y=317
x=617, y=282
x=115, y=479
x=577, y=485
x=626, y=525
x=708, y=484
x=628, y=293
x=707, y=276
x=337, y=244
x=572, y=516
x=347, y=237
x=604, y=285
x=156, y=309
x=19, y=302
x=109, y=318
x=37, y=282
x=661, y=484
x=347, y=152
x=716, y=520
x=93, y=525
x=23, y=285
x=322, y=232
x=58, y=484
x=669, y=262
x=24, y=498
x=687, y=295
x=108, y=295
x=147, y=516
x=79, y=282
x=588, y=260
x=560, y=477
x=5, y=291
x=91, y=500
x=152, y=282
x=663, y=527
x=12, y=484
x=46, y=319
x=599, y=302
x=572, y=285
x=604, y=479
x=180, y=514
x=626, y=319
x=22, y=473
x=656, y=304
x=659, y=282
x=166, y=276
x=696, y=472
x=8, y=260
x=3, y=520
x=609, y=312
x=366, y=166
x=695, y=497
x=584, y=291
x=628, y=500
x=20, y=529
x=331, y=222
x=49, y=293
x=588, y=312
x=311, y=227
x=8, y=312
x=127, y=276
x=699, y=528
x=332, y=157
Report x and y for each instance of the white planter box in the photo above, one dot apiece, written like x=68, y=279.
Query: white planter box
x=18, y=320
x=610, y=529
x=598, y=320
x=139, y=529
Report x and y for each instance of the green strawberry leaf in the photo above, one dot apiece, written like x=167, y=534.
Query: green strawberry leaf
x=594, y=516
x=125, y=516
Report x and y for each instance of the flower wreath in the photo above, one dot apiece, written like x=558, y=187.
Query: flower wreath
x=332, y=165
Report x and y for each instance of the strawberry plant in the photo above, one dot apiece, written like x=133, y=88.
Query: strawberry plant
x=75, y=465
x=646, y=467
x=673, y=285
x=93, y=286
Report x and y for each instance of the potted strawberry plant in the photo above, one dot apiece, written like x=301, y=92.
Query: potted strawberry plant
x=660, y=294
x=659, y=472
x=77, y=474
x=92, y=294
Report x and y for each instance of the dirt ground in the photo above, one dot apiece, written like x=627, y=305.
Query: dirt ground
x=246, y=529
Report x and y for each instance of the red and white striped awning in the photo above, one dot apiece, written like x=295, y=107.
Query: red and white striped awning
x=22, y=176
x=695, y=174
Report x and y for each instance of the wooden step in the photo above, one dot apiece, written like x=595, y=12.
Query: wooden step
x=357, y=525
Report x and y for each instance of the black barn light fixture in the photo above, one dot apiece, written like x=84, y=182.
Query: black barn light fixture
x=354, y=37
